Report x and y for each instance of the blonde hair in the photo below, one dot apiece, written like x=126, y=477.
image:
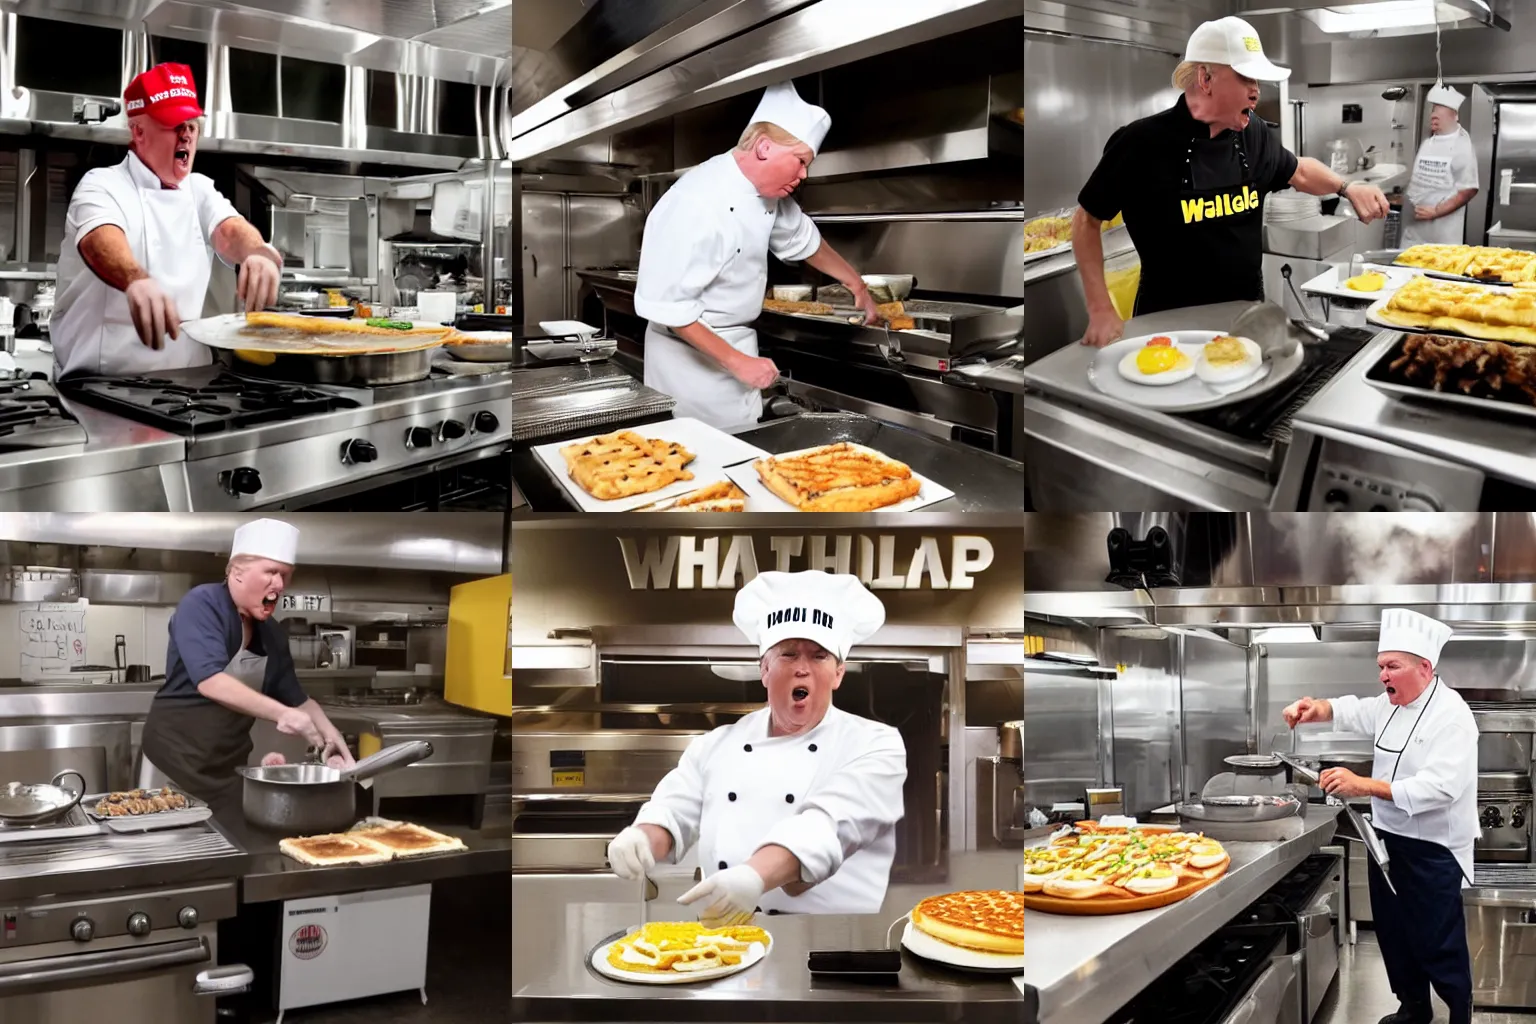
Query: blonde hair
x=1186, y=74
x=237, y=562
x=766, y=130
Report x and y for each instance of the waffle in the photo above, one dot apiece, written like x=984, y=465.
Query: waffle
x=684, y=947
x=405, y=840
x=721, y=497
x=991, y=921
x=624, y=464
x=1510, y=265
x=1473, y=310
x=1447, y=259
x=838, y=477
x=340, y=848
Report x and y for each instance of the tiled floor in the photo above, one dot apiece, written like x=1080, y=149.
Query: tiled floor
x=1361, y=994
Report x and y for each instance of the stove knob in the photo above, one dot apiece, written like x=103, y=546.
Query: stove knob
x=1517, y=816
x=244, y=480
x=138, y=924
x=418, y=437
x=83, y=930
x=484, y=422
x=450, y=430
x=357, y=451
x=1336, y=500
x=1492, y=818
x=187, y=918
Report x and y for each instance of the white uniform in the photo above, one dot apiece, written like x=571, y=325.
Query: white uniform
x=732, y=791
x=1427, y=750
x=704, y=257
x=1445, y=165
x=170, y=232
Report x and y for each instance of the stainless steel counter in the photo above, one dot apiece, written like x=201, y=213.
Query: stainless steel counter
x=557, y=920
x=86, y=864
x=1082, y=969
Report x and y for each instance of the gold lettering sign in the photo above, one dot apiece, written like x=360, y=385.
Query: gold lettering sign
x=1226, y=204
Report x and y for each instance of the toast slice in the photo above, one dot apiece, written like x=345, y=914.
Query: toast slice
x=336, y=848
x=406, y=840
x=838, y=477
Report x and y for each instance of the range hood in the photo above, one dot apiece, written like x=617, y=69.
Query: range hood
x=1362, y=19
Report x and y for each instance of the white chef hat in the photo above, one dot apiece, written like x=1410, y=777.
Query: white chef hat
x=267, y=538
x=835, y=611
x=1444, y=96
x=782, y=105
x=1408, y=631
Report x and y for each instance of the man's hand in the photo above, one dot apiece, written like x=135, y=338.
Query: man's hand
x=1343, y=782
x=336, y=753
x=867, y=303
x=257, y=283
x=153, y=311
x=1307, y=710
x=1104, y=327
x=1370, y=202
x=726, y=897
x=1421, y=212
x=754, y=372
x=293, y=722
x=273, y=759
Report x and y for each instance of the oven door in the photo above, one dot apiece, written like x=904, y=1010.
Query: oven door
x=1319, y=940
x=1273, y=998
x=155, y=980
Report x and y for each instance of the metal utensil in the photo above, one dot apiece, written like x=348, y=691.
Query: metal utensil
x=1269, y=327
x=22, y=804
x=304, y=799
x=1363, y=828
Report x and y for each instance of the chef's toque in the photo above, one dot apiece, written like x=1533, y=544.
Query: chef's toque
x=1408, y=631
x=782, y=105
x=835, y=611
x=1445, y=96
x=267, y=538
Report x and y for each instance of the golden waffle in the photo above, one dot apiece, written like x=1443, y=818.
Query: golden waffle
x=683, y=947
x=1447, y=259
x=1509, y=265
x=340, y=848
x=405, y=840
x=991, y=921
x=838, y=477
x=623, y=464
x=1473, y=310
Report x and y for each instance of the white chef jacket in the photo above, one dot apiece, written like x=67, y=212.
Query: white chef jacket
x=171, y=234
x=1445, y=165
x=831, y=796
x=704, y=256
x=1434, y=779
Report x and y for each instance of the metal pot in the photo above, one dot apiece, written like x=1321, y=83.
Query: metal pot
x=1010, y=741
x=21, y=804
x=306, y=799
x=363, y=370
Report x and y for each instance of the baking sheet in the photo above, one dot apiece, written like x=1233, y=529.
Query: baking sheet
x=1331, y=282
x=600, y=964
x=227, y=331
x=712, y=450
x=1378, y=376
x=196, y=812
x=761, y=499
x=1193, y=394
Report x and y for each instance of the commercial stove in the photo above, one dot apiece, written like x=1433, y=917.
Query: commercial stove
x=1083, y=448
x=202, y=438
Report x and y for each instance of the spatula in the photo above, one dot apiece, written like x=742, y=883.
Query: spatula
x=1276, y=334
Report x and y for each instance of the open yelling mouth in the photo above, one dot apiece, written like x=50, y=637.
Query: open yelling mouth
x=799, y=694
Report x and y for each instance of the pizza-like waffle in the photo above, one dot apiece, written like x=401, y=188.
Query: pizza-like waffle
x=1447, y=259
x=838, y=477
x=624, y=464
x=1473, y=310
x=1509, y=265
x=991, y=921
x=664, y=947
x=1111, y=864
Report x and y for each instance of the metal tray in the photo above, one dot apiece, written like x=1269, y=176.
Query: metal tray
x=196, y=811
x=1376, y=375
x=1240, y=808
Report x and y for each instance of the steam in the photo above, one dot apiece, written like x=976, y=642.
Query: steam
x=1383, y=547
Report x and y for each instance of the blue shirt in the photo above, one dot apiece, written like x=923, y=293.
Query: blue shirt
x=205, y=637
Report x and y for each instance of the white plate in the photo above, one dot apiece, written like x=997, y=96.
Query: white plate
x=1331, y=282
x=930, y=948
x=761, y=499
x=567, y=327
x=712, y=451
x=1190, y=395
x=600, y=964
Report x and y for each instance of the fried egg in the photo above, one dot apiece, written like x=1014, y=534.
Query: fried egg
x=1158, y=362
x=1153, y=878
x=1227, y=360
x=1370, y=281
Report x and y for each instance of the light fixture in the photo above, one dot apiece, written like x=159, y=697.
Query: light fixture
x=1397, y=15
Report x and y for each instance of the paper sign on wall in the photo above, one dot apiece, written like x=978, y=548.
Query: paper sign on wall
x=52, y=636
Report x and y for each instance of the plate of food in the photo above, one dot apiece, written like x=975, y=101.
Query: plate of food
x=975, y=930
x=1371, y=283
x=1093, y=869
x=721, y=497
x=1476, y=263
x=295, y=334
x=679, y=953
x=840, y=477
x=1187, y=371
x=145, y=810
x=621, y=471
x=1481, y=311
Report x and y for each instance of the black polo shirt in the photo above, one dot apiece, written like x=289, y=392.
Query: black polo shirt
x=205, y=636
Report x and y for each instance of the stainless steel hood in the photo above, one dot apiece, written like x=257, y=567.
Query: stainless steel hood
x=1451, y=14
x=808, y=39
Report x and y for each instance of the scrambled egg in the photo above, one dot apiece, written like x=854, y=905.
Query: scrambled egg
x=666, y=948
x=1370, y=281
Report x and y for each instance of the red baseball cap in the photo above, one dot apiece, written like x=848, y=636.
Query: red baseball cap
x=166, y=92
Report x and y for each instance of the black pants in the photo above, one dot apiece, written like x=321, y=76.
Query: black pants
x=1423, y=928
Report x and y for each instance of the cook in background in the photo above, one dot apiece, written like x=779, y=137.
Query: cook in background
x=794, y=806
x=1444, y=178
x=227, y=664
x=704, y=263
x=1423, y=790
x=1191, y=183
x=135, y=258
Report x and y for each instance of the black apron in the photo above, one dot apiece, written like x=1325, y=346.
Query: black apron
x=1202, y=242
x=1423, y=928
x=199, y=744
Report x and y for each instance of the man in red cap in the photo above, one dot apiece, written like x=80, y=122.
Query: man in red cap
x=136, y=255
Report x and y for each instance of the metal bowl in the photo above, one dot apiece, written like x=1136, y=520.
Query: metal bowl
x=1240, y=808
x=363, y=370
x=890, y=287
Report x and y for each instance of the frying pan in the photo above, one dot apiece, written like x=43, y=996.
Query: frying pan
x=21, y=804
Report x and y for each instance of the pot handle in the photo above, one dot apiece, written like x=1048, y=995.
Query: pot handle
x=58, y=780
x=397, y=756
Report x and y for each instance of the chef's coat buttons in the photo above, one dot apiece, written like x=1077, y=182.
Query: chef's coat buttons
x=730, y=796
x=722, y=865
x=747, y=748
x=789, y=798
x=733, y=209
x=813, y=748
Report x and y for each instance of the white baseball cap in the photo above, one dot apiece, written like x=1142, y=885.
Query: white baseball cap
x=1234, y=42
x=834, y=610
x=1412, y=633
x=1445, y=96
